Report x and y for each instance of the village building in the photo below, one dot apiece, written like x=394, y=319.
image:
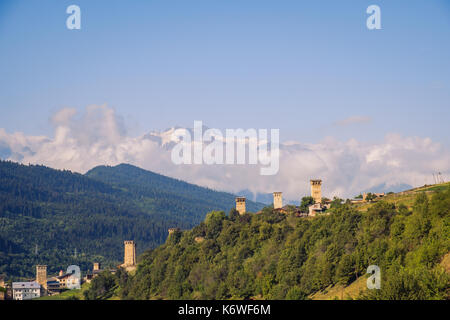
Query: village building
x=375, y=195
x=96, y=270
x=3, y=289
x=26, y=290
x=315, y=209
x=65, y=279
x=286, y=209
x=53, y=287
x=291, y=209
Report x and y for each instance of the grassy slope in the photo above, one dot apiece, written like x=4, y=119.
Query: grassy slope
x=354, y=288
x=407, y=197
x=341, y=292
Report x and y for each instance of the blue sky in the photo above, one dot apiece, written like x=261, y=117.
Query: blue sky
x=301, y=66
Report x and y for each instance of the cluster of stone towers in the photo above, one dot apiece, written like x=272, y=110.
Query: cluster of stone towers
x=130, y=247
x=129, y=260
x=316, y=193
x=129, y=263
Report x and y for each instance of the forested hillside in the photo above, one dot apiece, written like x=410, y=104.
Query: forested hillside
x=60, y=218
x=158, y=193
x=274, y=256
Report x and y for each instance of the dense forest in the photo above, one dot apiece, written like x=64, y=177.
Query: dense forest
x=278, y=256
x=59, y=218
x=160, y=194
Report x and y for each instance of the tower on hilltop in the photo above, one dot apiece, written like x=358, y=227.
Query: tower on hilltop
x=240, y=204
x=316, y=190
x=277, y=200
x=129, y=259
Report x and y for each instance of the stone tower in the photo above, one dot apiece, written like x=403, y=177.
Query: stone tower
x=41, y=276
x=316, y=190
x=277, y=200
x=96, y=266
x=129, y=259
x=240, y=204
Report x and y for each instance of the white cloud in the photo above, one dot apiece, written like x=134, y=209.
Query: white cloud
x=98, y=137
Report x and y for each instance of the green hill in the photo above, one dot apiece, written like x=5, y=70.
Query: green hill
x=274, y=256
x=59, y=218
x=160, y=194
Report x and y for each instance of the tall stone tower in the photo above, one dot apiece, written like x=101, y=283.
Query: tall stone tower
x=316, y=190
x=41, y=276
x=96, y=266
x=277, y=200
x=129, y=259
x=240, y=204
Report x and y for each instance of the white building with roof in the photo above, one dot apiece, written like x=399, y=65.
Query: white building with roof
x=26, y=290
x=315, y=208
